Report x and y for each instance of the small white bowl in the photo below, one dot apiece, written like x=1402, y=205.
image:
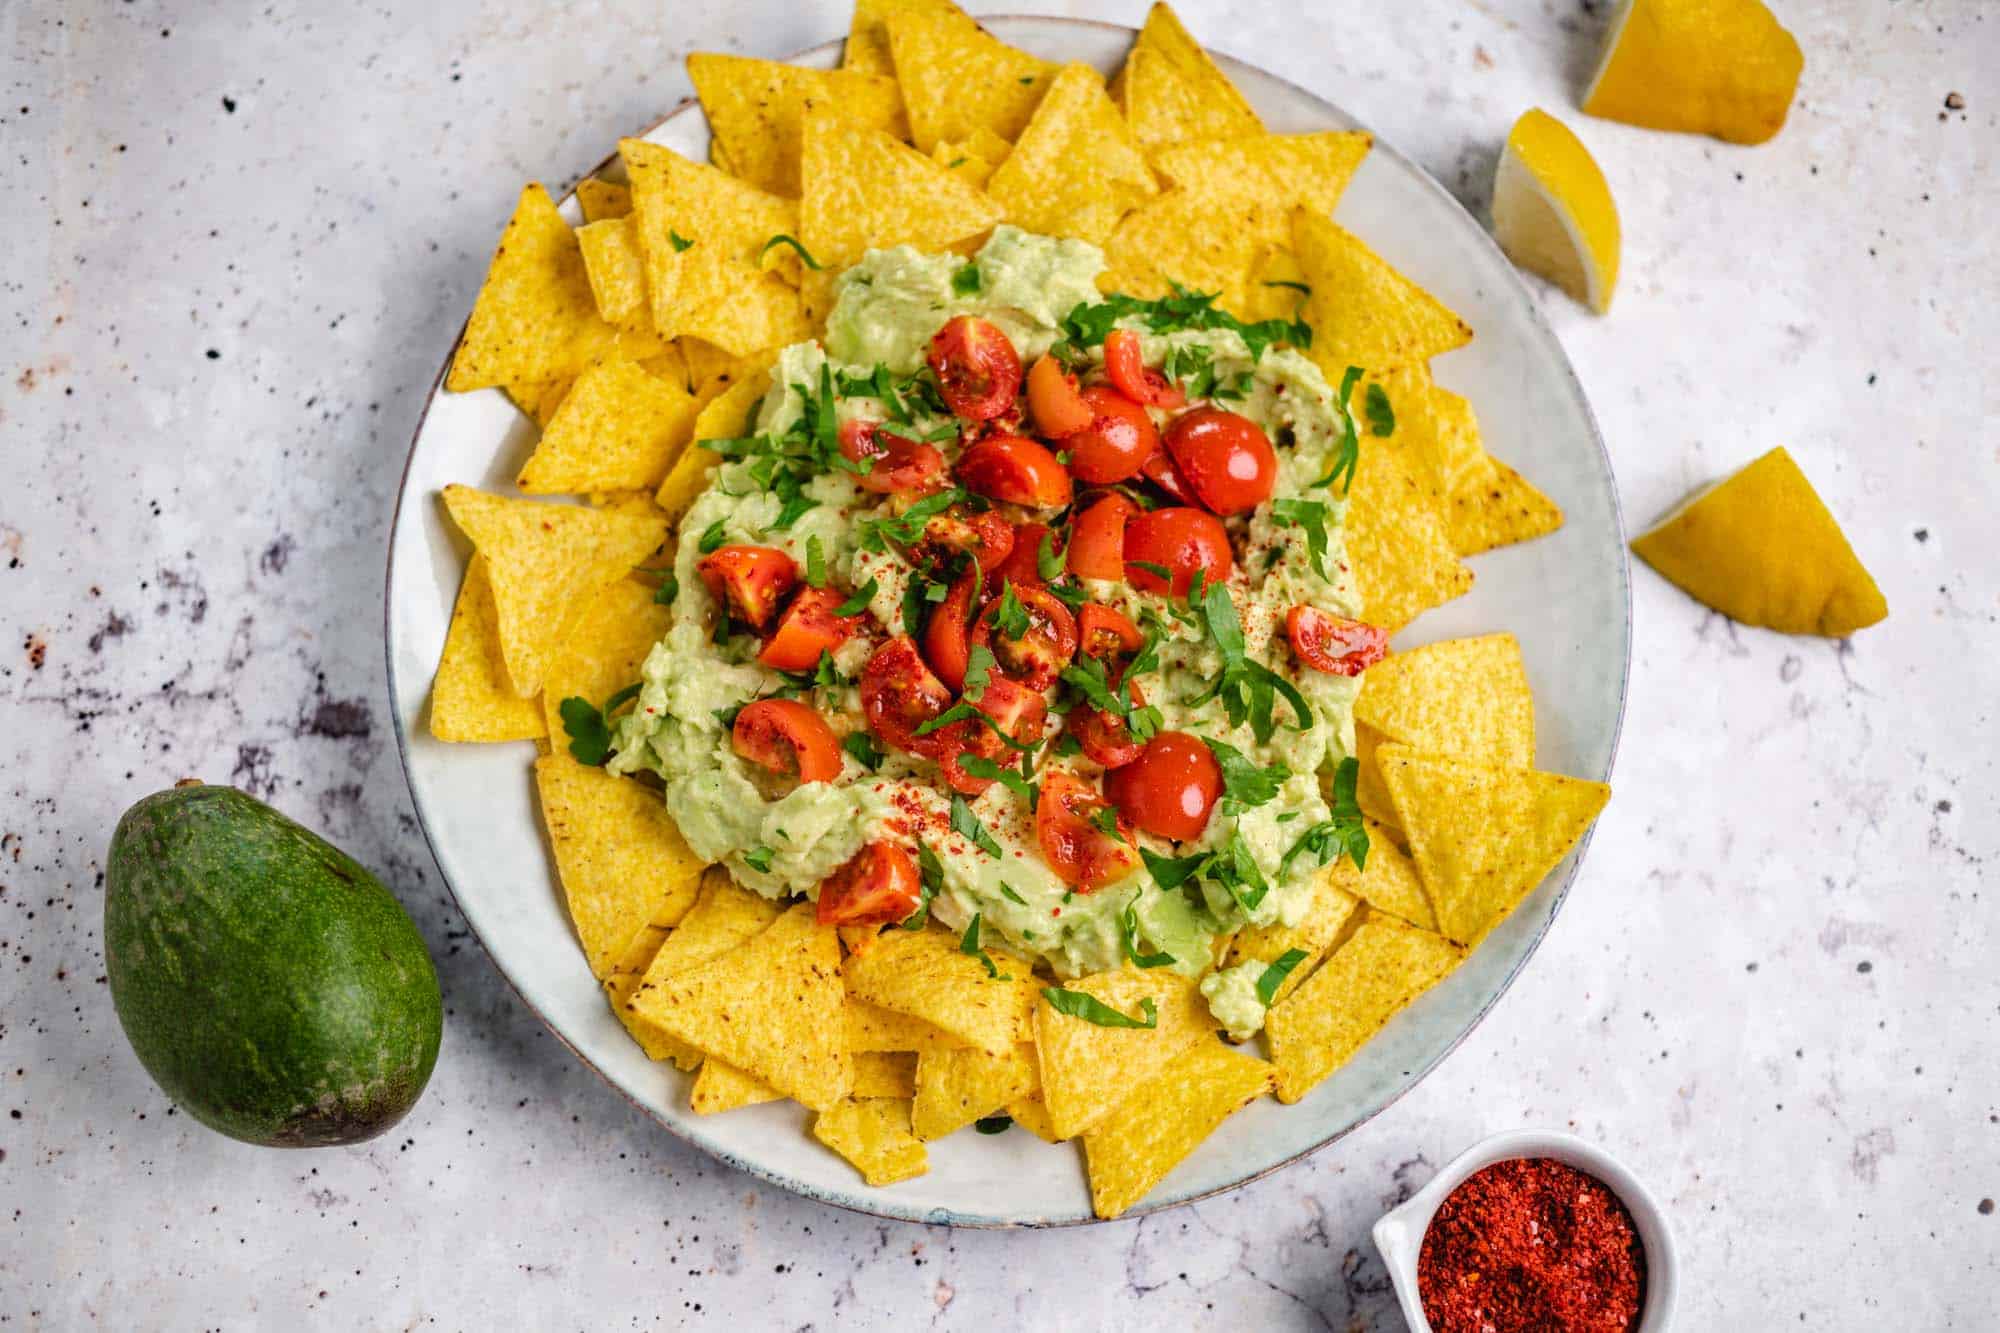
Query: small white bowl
x=1399, y=1235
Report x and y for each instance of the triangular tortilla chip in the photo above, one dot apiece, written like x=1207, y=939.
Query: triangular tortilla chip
x=1502, y=510
x=1312, y=170
x=724, y=915
x=616, y=267
x=1087, y=1070
x=972, y=160
x=1390, y=883
x=1367, y=982
x=1363, y=312
x=922, y=973
x=1464, y=697
x=1075, y=170
x=727, y=418
x=1483, y=835
x=723, y=1087
x=620, y=856
x=601, y=199
x=546, y=561
x=619, y=429
x=1434, y=428
x=539, y=400
x=1205, y=239
x=867, y=49
x=604, y=649
x=874, y=1134
x=884, y=1073
x=754, y=108
x=471, y=698
x=1032, y=1114
x=866, y=191
x=957, y=78
x=1132, y=1149
x=1171, y=90
x=1396, y=542
x=1369, y=793
x=1763, y=549
x=626, y=974
x=1333, y=905
x=955, y=1088
x=535, y=318
x=871, y=1028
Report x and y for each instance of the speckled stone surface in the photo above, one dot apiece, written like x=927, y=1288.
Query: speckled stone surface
x=237, y=243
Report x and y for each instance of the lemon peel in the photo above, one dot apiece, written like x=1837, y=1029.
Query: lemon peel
x=1726, y=68
x=1552, y=210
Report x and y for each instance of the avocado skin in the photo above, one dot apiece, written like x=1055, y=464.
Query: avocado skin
x=270, y=985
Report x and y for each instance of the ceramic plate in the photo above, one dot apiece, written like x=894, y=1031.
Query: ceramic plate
x=1565, y=597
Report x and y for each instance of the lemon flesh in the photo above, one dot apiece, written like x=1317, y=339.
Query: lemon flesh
x=1726, y=68
x=1552, y=211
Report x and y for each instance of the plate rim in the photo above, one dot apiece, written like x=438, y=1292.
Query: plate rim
x=1572, y=384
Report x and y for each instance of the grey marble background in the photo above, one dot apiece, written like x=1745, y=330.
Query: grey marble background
x=237, y=240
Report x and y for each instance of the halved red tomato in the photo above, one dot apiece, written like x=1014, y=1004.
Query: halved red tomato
x=878, y=886
x=1077, y=848
x=962, y=530
x=976, y=366
x=1105, y=737
x=948, y=634
x=1181, y=541
x=1225, y=457
x=894, y=462
x=1160, y=470
x=1017, y=710
x=1016, y=469
x=1053, y=401
x=953, y=743
x=1097, y=538
x=1036, y=655
x=749, y=580
x=1118, y=440
x=1148, y=387
x=899, y=694
x=1024, y=562
x=1169, y=788
x=808, y=628
x=1334, y=644
x=787, y=736
x=1104, y=632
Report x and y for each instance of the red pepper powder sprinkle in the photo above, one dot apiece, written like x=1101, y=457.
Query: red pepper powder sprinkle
x=1531, y=1244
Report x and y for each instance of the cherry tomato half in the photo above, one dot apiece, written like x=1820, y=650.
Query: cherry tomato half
x=1334, y=644
x=749, y=580
x=953, y=743
x=976, y=366
x=1020, y=712
x=1016, y=709
x=1170, y=788
x=1024, y=563
x=1104, y=735
x=1053, y=401
x=808, y=628
x=899, y=694
x=1077, y=849
x=894, y=462
x=1104, y=632
x=1037, y=655
x=1160, y=470
x=948, y=634
x=962, y=531
x=1225, y=457
x=1097, y=539
x=1119, y=438
x=878, y=886
x=1016, y=469
x=1147, y=387
x=1181, y=541
x=787, y=736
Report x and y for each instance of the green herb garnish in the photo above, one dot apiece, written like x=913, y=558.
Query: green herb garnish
x=967, y=825
x=965, y=281
x=1078, y=1004
x=805, y=256
x=1128, y=941
x=1381, y=416
x=1275, y=972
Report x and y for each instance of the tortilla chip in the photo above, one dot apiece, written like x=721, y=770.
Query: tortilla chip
x=957, y=79
x=620, y=428
x=1134, y=1147
x=1403, y=562
x=923, y=974
x=871, y=1028
x=601, y=199
x=955, y=1088
x=1333, y=906
x=754, y=108
x=1171, y=90
x=620, y=856
x=1369, y=793
x=1363, y=312
x=1032, y=1114
x=865, y=190
x=727, y=418
x=867, y=48
x=1312, y=170
x=1390, y=883
x=874, y=1134
x=616, y=268
x=1366, y=983
x=1087, y=1070
x=1277, y=287
x=1435, y=428
x=724, y=1087
x=671, y=365
x=1206, y=240
x=1075, y=170
x=604, y=649
x=535, y=318
x=972, y=160
x=539, y=400
x=1505, y=510
x=710, y=370
x=546, y=562
x=885, y=1074
x=770, y=1007
x=724, y=916
x=620, y=986
x=1464, y=697
x=472, y=699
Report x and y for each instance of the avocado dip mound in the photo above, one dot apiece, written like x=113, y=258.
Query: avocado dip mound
x=1024, y=607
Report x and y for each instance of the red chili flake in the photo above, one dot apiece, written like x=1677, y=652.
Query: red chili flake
x=1531, y=1244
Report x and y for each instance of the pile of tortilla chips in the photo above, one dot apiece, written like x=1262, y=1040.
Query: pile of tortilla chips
x=653, y=325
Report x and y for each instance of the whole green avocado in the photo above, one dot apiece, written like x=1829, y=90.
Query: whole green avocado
x=269, y=984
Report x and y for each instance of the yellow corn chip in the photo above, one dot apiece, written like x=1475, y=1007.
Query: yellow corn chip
x=1206, y=239
x=620, y=428
x=865, y=190
x=1396, y=543
x=1170, y=90
x=1277, y=287
x=726, y=418
x=535, y=319
x=871, y=1028
x=923, y=974
x=671, y=365
x=710, y=370
x=1369, y=793
x=616, y=267
x=538, y=400
x=1311, y=170
x=1436, y=431
x=620, y=856
x=1332, y=907
x=955, y=1088
x=885, y=1074
x=1076, y=170
x=604, y=649
x=956, y=78
x=1390, y=883
x=754, y=108
x=1502, y=510
x=972, y=160
x=874, y=1134
x=767, y=313
x=602, y=199
x=1032, y=1114
x=1132, y=1149
x=624, y=980
x=1087, y=1070
x=1483, y=835
x=868, y=36
x=724, y=1087
x=546, y=562
x=1363, y=312
x=724, y=915
x=472, y=698
x=1464, y=697
x=1366, y=983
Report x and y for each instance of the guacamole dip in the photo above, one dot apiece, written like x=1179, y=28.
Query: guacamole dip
x=872, y=470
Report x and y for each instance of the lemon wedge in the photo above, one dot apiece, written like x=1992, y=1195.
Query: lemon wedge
x=1721, y=67
x=1552, y=211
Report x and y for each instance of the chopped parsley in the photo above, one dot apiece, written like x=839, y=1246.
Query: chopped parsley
x=1011, y=618
x=589, y=729
x=965, y=281
x=906, y=528
x=1249, y=690
x=668, y=589
x=712, y=538
x=815, y=562
x=930, y=874
x=1381, y=416
x=1244, y=785
x=1079, y=1004
x=858, y=603
x=1089, y=323
x=978, y=671
x=1275, y=972
x=1007, y=892
x=805, y=255
x=1231, y=867
x=1047, y=563
x=1347, y=447
x=979, y=766
x=678, y=241
x=1311, y=517
x=759, y=859
x=1344, y=832
x=1128, y=941
x=968, y=944
x=967, y=825
x=864, y=749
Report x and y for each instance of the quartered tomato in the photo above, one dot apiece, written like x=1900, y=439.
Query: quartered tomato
x=1016, y=469
x=1054, y=403
x=1181, y=541
x=1118, y=440
x=1097, y=539
x=1160, y=470
x=1024, y=563
x=1225, y=457
x=962, y=530
x=1081, y=852
x=948, y=634
x=899, y=694
x=1104, y=632
x=1037, y=655
x=1147, y=387
x=1334, y=644
x=1104, y=736
x=1169, y=788
x=749, y=580
x=894, y=462
x=879, y=886
x=808, y=628
x=1017, y=710
x=953, y=743
x=976, y=366
x=787, y=736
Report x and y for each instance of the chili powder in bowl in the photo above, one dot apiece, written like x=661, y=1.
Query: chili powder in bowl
x=1532, y=1231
